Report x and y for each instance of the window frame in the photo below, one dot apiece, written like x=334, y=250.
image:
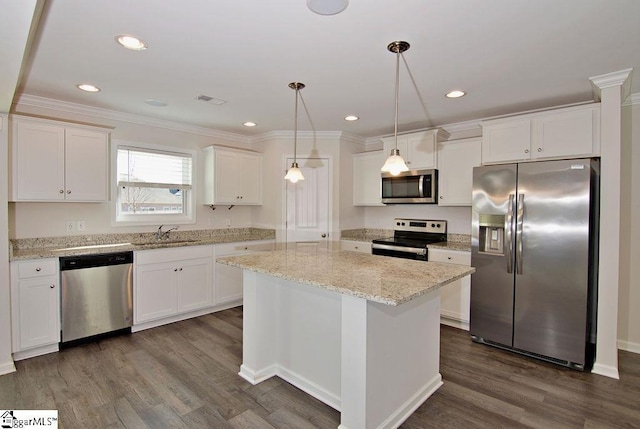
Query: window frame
x=139, y=219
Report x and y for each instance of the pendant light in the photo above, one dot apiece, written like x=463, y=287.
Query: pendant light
x=394, y=163
x=294, y=174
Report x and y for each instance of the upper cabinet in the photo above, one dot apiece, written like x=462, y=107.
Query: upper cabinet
x=367, y=180
x=56, y=161
x=572, y=132
x=456, y=159
x=417, y=149
x=232, y=176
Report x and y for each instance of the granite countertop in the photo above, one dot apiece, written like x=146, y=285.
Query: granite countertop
x=381, y=279
x=458, y=242
x=54, y=247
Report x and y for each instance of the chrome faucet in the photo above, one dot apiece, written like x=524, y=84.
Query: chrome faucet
x=160, y=234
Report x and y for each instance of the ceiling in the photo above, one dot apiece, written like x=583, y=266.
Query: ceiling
x=509, y=55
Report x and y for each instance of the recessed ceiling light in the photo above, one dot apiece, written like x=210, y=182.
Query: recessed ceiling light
x=131, y=42
x=88, y=87
x=155, y=103
x=327, y=7
x=455, y=94
x=351, y=118
x=249, y=124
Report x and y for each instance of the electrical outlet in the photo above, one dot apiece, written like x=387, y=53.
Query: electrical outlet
x=228, y=222
x=80, y=225
x=69, y=226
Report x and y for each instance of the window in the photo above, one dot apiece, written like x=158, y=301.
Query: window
x=153, y=185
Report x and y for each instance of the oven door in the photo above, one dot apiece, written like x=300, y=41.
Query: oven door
x=419, y=253
x=411, y=187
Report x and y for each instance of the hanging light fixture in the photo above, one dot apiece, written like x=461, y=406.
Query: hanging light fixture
x=294, y=174
x=394, y=163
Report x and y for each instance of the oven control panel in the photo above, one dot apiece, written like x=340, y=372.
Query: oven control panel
x=421, y=225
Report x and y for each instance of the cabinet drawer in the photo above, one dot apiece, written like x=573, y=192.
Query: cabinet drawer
x=40, y=268
x=243, y=247
x=153, y=256
x=450, y=257
x=355, y=246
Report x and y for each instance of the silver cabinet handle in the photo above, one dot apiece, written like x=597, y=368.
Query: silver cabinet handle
x=175, y=269
x=519, y=222
x=61, y=191
x=180, y=269
x=38, y=269
x=539, y=149
x=526, y=151
x=508, y=230
x=68, y=192
x=52, y=286
x=323, y=235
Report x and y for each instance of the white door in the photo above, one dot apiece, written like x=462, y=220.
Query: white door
x=307, y=204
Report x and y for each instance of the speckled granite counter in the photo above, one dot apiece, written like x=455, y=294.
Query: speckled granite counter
x=458, y=242
x=53, y=247
x=390, y=281
x=364, y=234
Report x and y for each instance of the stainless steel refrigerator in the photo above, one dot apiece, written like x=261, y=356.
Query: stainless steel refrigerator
x=535, y=246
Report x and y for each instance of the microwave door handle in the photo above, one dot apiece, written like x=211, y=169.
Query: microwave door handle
x=421, y=187
x=508, y=230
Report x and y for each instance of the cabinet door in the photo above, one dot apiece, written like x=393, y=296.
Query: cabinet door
x=456, y=160
x=39, y=311
x=506, y=141
x=194, y=284
x=564, y=134
x=228, y=283
x=155, y=292
x=421, y=150
x=38, y=150
x=86, y=155
x=367, y=180
x=455, y=298
x=249, y=175
x=226, y=177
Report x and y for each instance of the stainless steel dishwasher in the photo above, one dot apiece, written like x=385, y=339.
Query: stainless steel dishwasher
x=97, y=295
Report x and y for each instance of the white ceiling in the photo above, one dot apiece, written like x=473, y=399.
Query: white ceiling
x=509, y=55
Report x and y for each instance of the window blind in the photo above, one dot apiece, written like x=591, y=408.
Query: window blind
x=153, y=169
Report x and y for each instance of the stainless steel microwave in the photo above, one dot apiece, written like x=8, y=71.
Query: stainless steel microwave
x=410, y=187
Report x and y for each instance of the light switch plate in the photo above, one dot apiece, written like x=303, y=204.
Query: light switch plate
x=69, y=226
x=80, y=225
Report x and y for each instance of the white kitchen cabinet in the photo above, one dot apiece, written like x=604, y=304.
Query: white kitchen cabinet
x=367, y=180
x=56, y=161
x=572, y=132
x=417, y=149
x=232, y=176
x=456, y=159
x=35, y=307
x=356, y=246
x=455, y=298
x=170, y=282
x=228, y=279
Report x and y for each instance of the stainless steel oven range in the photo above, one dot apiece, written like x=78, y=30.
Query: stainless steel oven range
x=410, y=238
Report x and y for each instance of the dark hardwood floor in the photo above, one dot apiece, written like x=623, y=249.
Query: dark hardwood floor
x=185, y=375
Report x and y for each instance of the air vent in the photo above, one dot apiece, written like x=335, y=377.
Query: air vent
x=211, y=100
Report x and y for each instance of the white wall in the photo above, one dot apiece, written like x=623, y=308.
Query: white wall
x=629, y=292
x=28, y=220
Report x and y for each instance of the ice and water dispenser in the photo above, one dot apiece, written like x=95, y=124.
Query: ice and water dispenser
x=491, y=234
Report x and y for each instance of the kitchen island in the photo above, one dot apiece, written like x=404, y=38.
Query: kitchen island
x=359, y=332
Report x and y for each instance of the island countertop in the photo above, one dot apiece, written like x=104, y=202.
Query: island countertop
x=382, y=279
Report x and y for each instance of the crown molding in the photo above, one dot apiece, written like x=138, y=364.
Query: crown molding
x=462, y=126
x=80, y=109
x=284, y=134
x=633, y=99
x=613, y=79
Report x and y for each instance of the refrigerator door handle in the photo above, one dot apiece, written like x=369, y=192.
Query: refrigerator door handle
x=519, y=221
x=508, y=229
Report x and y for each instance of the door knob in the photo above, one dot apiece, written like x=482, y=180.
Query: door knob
x=323, y=235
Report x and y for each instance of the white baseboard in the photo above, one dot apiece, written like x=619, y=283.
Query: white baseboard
x=629, y=346
x=38, y=351
x=605, y=370
x=164, y=321
x=7, y=367
x=454, y=323
x=307, y=386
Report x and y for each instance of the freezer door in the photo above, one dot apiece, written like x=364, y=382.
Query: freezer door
x=552, y=266
x=492, y=253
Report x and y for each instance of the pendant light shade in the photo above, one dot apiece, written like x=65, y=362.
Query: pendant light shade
x=394, y=163
x=294, y=174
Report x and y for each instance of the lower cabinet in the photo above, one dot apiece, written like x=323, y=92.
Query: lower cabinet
x=356, y=246
x=455, y=298
x=35, y=307
x=171, y=282
x=228, y=279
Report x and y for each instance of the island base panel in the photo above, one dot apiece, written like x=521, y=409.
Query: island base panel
x=372, y=362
